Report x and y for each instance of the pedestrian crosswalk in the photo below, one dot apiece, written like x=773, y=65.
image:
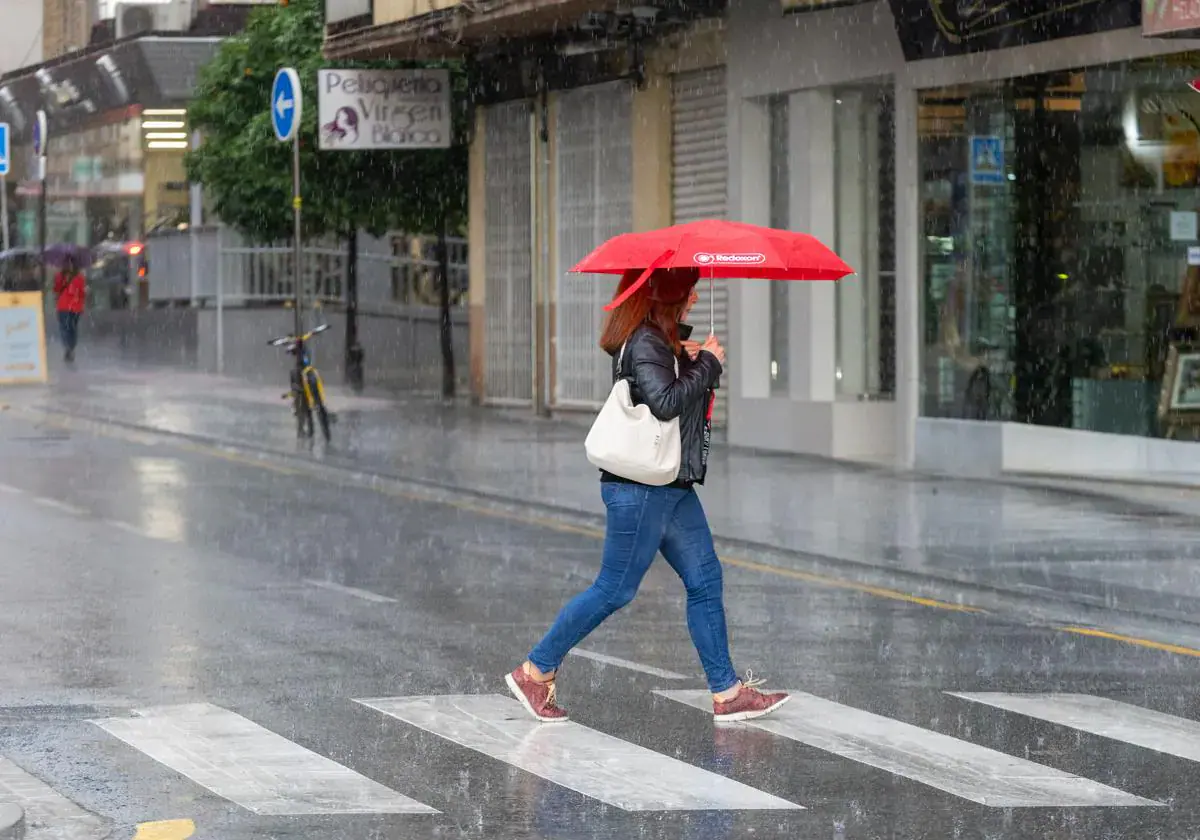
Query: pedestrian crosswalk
x=263, y=772
x=609, y=769
x=1101, y=716
x=270, y=775
x=958, y=767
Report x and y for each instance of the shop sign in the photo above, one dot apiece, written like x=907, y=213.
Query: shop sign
x=22, y=338
x=937, y=28
x=339, y=10
x=1184, y=226
x=1162, y=18
x=384, y=109
x=987, y=159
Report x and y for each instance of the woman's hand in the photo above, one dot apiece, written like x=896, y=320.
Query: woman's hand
x=712, y=345
x=692, y=348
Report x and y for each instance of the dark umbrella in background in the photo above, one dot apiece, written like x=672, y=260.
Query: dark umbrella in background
x=57, y=255
x=19, y=270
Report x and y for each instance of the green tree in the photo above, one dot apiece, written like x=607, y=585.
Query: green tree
x=247, y=172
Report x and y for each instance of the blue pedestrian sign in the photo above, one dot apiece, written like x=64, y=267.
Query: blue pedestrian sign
x=987, y=159
x=285, y=104
x=4, y=152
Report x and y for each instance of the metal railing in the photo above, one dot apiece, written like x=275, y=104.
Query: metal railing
x=393, y=271
x=214, y=268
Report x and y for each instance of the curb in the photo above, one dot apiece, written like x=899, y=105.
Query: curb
x=12, y=822
x=819, y=563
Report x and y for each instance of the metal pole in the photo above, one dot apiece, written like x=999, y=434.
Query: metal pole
x=446, y=327
x=4, y=208
x=354, y=351
x=42, y=216
x=712, y=306
x=220, y=304
x=297, y=271
x=194, y=221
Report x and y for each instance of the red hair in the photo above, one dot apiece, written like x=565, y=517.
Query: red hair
x=660, y=301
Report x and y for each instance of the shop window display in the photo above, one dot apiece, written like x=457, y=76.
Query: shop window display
x=1059, y=210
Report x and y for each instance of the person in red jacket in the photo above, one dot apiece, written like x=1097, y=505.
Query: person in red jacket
x=71, y=290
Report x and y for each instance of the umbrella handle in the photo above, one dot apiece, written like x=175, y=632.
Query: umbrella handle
x=712, y=317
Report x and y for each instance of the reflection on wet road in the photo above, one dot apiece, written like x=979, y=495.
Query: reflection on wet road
x=273, y=651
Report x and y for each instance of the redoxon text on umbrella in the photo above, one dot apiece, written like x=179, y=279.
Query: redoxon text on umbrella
x=729, y=259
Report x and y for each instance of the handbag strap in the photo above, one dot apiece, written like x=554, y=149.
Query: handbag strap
x=621, y=359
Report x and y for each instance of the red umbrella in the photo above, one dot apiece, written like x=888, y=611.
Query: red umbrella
x=719, y=249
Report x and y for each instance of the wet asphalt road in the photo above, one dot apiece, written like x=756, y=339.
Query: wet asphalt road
x=139, y=573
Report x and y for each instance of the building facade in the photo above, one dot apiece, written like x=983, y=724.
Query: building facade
x=117, y=128
x=21, y=38
x=1015, y=184
x=66, y=26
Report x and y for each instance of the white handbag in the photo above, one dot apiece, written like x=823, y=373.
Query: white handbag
x=627, y=440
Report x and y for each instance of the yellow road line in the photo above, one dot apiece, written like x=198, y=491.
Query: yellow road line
x=1166, y=647
x=841, y=583
x=165, y=830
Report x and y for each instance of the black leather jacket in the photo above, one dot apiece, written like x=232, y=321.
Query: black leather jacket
x=649, y=365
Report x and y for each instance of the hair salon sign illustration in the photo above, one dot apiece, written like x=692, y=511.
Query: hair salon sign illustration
x=383, y=109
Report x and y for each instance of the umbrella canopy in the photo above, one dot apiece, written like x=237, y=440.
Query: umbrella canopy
x=718, y=249
x=58, y=254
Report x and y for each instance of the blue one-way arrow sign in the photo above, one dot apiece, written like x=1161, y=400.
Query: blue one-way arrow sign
x=285, y=104
x=4, y=151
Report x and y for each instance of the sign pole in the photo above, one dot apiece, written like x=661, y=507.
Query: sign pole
x=5, y=157
x=296, y=234
x=4, y=207
x=39, y=149
x=285, y=108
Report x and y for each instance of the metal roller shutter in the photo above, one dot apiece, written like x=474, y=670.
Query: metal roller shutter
x=594, y=201
x=508, y=304
x=699, y=185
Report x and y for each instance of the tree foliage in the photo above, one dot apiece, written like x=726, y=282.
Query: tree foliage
x=247, y=172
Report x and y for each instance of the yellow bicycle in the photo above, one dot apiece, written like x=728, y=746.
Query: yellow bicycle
x=308, y=390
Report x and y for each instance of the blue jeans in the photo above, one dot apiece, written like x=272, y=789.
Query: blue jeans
x=68, y=328
x=642, y=521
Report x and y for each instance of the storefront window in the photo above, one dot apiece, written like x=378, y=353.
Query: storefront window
x=1058, y=214
x=94, y=184
x=864, y=151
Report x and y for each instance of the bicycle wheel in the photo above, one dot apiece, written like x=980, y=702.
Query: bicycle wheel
x=304, y=420
x=319, y=405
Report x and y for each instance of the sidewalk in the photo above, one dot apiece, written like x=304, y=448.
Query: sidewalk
x=1073, y=540
x=12, y=821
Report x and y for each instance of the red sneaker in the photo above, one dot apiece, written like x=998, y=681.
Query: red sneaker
x=749, y=703
x=538, y=698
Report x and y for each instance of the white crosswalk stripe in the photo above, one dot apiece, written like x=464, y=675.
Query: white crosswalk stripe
x=957, y=767
x=1100, y=716
x=573, y=756
x=252, y=766
x=269, y=775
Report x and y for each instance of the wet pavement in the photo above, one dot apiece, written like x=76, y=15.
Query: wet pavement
x=277, y=643
x=1132, y=558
